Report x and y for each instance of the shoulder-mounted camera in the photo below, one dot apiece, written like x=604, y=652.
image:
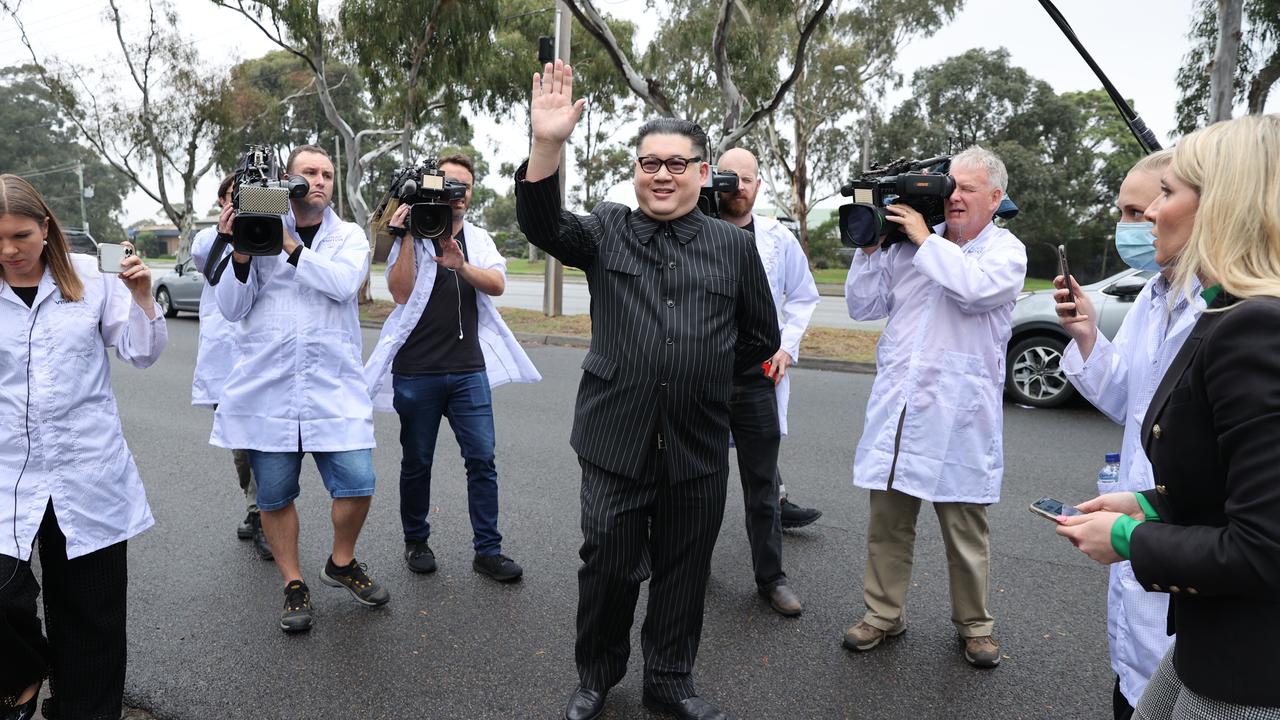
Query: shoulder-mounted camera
x=718, y=181
x=424, y=188
x=923, y=185
x=261, y=199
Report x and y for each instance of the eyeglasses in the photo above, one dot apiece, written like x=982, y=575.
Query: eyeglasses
x=675, y=165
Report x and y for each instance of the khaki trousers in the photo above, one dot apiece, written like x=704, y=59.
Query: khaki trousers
x=891, y=537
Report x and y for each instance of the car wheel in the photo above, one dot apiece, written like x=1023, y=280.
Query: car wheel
x=166, y=303
x=1033, y=373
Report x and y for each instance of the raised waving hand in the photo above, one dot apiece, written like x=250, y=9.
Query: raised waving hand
x=553, y=114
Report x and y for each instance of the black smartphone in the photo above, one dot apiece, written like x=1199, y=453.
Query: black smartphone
x=1050, y=508
x=1065, y=272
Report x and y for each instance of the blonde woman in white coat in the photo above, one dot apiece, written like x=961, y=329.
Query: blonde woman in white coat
x=66, y=475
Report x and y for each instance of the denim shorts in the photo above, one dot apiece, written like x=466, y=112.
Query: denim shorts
x=345, y=474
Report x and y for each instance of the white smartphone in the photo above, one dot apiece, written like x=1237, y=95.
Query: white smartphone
x=111, y=256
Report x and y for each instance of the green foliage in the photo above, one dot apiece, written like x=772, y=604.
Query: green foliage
x=1258, y=63
x=1065, y=154
x=37, y=138
x=272, y=101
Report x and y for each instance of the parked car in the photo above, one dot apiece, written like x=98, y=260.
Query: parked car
x=1033, y=373
x=179, y=289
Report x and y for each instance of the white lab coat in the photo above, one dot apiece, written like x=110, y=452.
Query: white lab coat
x=504, y=360
x=1120, y=378
x=795, y=294
x=58, y=415
x=941, y=357
x=297, y=375
x=216, y=351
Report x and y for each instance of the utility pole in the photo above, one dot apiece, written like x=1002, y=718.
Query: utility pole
x=84, y=218
x=553, y=278
x=337, y=178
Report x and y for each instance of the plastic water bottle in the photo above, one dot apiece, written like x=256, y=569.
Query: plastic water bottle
x=1109, y=475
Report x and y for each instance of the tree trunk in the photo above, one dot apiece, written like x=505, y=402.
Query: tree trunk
x=1222, y=70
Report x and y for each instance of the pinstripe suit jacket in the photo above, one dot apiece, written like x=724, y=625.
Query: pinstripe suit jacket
x=676, y=309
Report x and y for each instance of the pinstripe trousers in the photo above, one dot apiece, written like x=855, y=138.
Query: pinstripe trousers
x=84, y=610
x=638, y=529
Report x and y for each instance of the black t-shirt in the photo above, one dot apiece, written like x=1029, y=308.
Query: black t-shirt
x=27, y=294
x=751, y=226
x=445, y=339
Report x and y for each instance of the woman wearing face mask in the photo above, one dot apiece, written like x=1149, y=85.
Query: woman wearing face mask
x=1208, y=534
x=1119, y=377
x=67, y=478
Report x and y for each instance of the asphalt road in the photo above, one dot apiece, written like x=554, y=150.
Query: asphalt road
x=204, y=643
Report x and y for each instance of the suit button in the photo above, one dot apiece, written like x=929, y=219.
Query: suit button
x=1162, y=490
x=1192, y=591
x=1175, y=589
x=1155, y=587
x=670, y=341
x=671, y=303
x=672, y=264
x=1155, y=431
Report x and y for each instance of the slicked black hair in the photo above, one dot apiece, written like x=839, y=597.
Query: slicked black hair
x=675, y=126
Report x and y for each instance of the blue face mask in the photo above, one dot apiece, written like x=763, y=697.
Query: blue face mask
x=1134, y=243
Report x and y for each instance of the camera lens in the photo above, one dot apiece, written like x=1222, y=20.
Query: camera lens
x=860, y=225
x=431, y=220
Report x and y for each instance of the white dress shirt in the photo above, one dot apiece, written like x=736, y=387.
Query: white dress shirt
x=298, y=376
x=795, y=294
x=504, y=360
x=60, y=434
x=941, y=357
x=1119, y=378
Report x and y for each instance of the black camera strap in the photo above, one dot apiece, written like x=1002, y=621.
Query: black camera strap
x=211, y=273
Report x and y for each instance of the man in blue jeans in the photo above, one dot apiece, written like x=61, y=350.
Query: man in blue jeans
x=440, y=352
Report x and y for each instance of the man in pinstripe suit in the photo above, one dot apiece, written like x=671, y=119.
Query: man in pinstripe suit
x=679, y=303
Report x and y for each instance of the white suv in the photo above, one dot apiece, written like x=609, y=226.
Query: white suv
x=1033, y=375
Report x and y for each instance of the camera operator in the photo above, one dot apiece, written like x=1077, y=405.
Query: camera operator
x=215, y=355
x=297, y=385
x=934, y=419
x=440, y=353
x=679, y=304
x=758, y=411
x=1120, y=378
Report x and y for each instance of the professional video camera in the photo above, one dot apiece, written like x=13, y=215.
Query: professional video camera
x=424, y=188
x=718, y=181
x=923, y=185
x=261, y=199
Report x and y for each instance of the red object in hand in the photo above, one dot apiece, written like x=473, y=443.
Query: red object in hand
x=767, y=366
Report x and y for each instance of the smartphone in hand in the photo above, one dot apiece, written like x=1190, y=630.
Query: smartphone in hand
x=110, y=257
x=1065, y=272
x=1050, y=508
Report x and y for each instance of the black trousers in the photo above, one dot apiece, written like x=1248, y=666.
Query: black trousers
x=753, y=419
x=1120, y=707
x=638, y=529
x=84, y=611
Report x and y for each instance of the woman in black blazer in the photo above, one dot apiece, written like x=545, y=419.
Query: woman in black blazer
x=1209, y=533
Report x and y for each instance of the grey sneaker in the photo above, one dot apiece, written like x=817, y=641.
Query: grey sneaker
x=982, y=651
x=297, y=608
x=355, y=577
x=863, y=636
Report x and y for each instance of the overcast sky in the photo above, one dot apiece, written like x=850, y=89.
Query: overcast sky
x=1138, y=43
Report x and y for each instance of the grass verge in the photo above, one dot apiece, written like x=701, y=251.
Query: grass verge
x=819, y=342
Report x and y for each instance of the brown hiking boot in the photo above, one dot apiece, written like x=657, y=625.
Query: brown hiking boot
x=863, y=636
x=982, y=652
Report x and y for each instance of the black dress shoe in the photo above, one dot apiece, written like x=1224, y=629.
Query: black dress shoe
x=690, y=708
x=25, y=711
x=585, y=704
x=784, y=600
